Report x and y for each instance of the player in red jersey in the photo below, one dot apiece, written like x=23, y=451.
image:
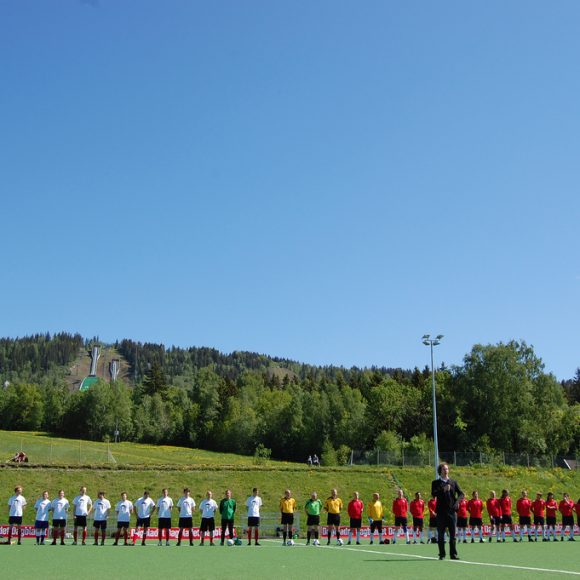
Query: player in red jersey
x=524, y=509
x=538, y=509
x=505, y=502
x=494, y=510
x=432, y=507
x=355, y=509
x=400, y=508
x=475, y=509
x=551, y=513
x=417, y=508
x=462, y=520
x=567, y=510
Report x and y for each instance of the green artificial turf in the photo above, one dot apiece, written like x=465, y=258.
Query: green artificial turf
x=272, y=560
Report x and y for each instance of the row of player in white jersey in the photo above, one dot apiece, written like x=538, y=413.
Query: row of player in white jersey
x=101, y=507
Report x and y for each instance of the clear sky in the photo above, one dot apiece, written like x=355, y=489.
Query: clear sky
x=323, y=180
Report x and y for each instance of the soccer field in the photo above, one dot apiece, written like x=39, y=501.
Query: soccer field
x=272, y=559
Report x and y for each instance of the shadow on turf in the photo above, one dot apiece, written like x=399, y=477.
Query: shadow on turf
x=375, y=561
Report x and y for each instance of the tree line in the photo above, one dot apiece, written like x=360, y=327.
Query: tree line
x=498, y=399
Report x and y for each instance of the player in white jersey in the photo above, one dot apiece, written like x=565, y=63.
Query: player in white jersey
x=16, y=505
x=144, y=507
x=124, y=509
x=164, y=507
x=59, y=508
x=254, y=503
x=208, y=508
x=186, y=505
x=101, y=509
x=42, y=507
x=83, y=506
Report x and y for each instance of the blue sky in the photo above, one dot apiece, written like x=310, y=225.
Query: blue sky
x=319, y=180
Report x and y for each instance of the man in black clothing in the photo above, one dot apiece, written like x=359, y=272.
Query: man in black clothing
x=448, y=493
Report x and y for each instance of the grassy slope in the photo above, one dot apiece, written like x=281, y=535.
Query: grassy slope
x=176, y=468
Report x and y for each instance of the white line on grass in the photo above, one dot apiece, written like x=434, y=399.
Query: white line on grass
x=468, y=562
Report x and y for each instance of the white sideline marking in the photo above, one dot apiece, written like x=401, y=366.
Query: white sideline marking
x=467, y=562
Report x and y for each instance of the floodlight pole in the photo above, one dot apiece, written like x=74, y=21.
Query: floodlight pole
x=431, y=342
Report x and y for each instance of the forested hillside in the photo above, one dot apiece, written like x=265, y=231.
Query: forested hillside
x=499, y=399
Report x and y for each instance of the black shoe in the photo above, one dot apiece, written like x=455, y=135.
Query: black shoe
x=257, y=544
x=454, y=557
x=442, y=557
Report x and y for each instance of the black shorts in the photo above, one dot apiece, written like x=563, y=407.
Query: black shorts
x=41, y=525
x=506, y=520
x=432, y=522
x=400, y=521
x=15, y=520
x=461, y=523
x=525, y=521
x=121, y=525
x=164, y=523
x=80, y=521
x=144, y=522
x=538, y=520
x=551, y=521
x=333, y=520
x=418, y=523
x=567, y=520
x=186, y=522
x=253, y=522
x=100, y=524
x=495, y=520
x=355, y=523
x=313, y=520
x=287, y=519
x=59, y=523
x=475, y=522
x=377, y=525
x=207, y=525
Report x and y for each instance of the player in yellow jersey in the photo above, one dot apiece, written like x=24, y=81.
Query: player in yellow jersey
x=333, y=506
x=287, y=507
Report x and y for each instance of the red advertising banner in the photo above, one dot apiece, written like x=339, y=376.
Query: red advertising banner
x=153, y=534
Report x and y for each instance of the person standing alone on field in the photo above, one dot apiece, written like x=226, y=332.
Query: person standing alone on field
x=448, y=493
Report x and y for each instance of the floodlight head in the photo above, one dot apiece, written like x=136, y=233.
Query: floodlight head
x=436, y=342
x=425, y=336
x=439, y=336
x=426, y=343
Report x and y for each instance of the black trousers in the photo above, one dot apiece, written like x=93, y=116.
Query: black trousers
x=447, y=522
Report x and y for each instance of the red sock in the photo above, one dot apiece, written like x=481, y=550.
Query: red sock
x=84, y=534
x=250, y=535
x=256, y=534
x=97, y=536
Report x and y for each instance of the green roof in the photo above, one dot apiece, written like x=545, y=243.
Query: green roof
x=87, y=383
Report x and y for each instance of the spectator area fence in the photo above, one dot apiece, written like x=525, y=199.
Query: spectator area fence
x=403, y=458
